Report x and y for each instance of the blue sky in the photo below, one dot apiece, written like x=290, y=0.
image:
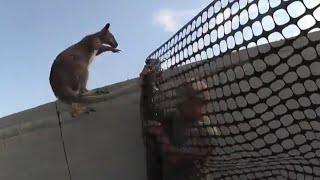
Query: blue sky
x=33, y=32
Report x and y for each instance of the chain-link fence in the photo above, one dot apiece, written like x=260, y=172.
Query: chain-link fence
x=254, y=65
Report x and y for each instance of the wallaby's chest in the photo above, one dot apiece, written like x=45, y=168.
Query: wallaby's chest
x=93, y=56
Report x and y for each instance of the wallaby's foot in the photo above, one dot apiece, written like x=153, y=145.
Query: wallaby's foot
x=85, y=110
x=74, y=114
x=77, y=109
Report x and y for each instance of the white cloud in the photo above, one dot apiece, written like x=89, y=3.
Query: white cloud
x=171, y=20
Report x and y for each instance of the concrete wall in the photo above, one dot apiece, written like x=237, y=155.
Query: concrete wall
x=46, y=143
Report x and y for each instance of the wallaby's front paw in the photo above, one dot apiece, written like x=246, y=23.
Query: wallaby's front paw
x=115, y=50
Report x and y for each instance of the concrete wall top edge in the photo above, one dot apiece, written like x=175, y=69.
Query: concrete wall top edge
x=28, y=120
x=42, y=116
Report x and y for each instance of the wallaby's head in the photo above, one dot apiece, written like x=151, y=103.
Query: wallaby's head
x=107, y=37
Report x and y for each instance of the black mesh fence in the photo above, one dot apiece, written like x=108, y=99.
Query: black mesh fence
x=253, y=68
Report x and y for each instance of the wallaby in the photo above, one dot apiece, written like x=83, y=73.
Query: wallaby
x=70, y=70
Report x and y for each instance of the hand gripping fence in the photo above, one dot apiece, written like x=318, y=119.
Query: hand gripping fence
x=255, y=64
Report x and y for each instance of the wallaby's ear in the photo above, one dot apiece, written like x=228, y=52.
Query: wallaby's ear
x=106, y=27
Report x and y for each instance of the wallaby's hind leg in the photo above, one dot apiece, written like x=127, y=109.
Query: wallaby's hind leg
x=78, y=109
x=83, y=79
x=74, y=110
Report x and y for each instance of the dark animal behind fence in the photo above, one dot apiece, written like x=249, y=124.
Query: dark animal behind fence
x=256, y=64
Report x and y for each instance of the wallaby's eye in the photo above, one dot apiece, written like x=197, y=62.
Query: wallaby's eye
x=110, y=37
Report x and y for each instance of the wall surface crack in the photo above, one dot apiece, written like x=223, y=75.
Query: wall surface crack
x=62, y=140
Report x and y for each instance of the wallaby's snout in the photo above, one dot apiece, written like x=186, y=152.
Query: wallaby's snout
x=114, y=44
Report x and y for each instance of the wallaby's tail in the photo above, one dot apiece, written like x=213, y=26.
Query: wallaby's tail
x=71, y=96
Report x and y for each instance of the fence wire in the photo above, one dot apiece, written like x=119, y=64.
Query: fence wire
x=254, y=67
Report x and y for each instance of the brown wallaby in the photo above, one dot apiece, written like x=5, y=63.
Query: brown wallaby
x=70, y=70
